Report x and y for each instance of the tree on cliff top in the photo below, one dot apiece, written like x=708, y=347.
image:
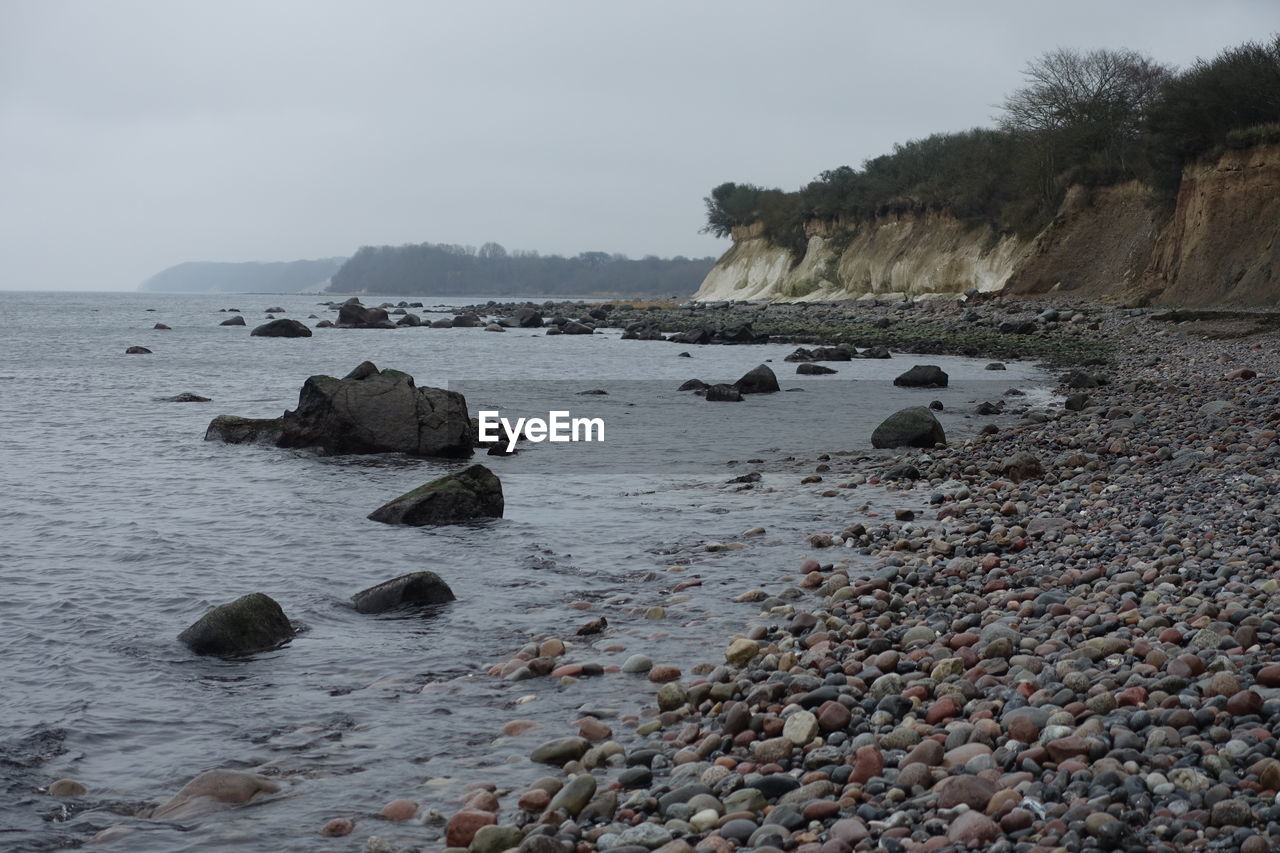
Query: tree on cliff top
x=1083, y=114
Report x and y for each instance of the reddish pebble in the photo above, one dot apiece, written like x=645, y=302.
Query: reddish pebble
x=944, y=709
x=534, y=800
x=1269, y=676
x=868, y=762
x=337, y=828
x=400, y=810
x=518, y=727
x=572, y=670
x=810, y=566
x=592, y=729
x=663, y=673
x=821, y=810
x=464, y=825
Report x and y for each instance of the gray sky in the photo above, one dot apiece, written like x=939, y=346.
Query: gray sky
x=136, y=135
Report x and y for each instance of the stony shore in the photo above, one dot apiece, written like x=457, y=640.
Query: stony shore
x=1075, y=647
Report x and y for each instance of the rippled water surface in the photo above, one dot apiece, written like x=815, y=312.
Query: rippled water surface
x=121, y=526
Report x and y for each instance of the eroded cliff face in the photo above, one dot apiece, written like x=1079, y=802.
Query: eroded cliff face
x=1221, y=247
x=1218, y=247
x=908, y=255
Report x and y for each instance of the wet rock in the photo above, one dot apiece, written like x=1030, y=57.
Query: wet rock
x=758, y=380
x=233, y=321
x=723, y=394
x=922, y=376
x=378, y=411
x=353, y=315
x=912, y=427
x=236, y=430
x=470, y=494
x=185, y=397
x=67, y=788
x=413, y=589
x=808, y=369
x=399, y=810
x=212, y=789
x=463, y=826
x=251, y=623
x=694, y=385
x=560, y=751
x=282, y=328
x=137, y=351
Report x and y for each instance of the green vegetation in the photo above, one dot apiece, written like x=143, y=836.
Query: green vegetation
x=1094, y=118
x=440, y=269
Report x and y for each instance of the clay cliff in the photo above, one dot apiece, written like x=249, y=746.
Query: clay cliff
x=1217, y=247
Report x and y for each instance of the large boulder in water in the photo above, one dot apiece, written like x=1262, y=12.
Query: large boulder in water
x=473, y=493
x=353, y=315
x=377, y=411
x=282, y=328
x=237, y=430
x=466, y=320
x=415, y=588
x=912, y=427
x=525, y=317
x=698, y=336
x=214, y=789
x=233, y=321
x=809, y=369
x=759, y=380
x=251, y=623
x=923, y=376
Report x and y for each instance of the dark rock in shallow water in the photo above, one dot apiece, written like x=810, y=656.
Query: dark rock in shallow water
x=467, y=495
x=378, y=411
x=353, y=315
x=409, y=320
x=759, y=380
x=137, y=351
x=466, y=320
x=233, y=321
x=162, y=327
x=185, y=397
x=573, y=327
x=251, y=623
x=813, y=370
x=922, y=376
x=282, y=328
x=416, y=588
x=874, y=352
x=724, y=394
x=912, y=427
x=695, y=336
x=694, y=385
x=237, y=430
x=443, y=323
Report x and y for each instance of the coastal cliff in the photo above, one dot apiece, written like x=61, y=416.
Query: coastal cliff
x=1218, y=246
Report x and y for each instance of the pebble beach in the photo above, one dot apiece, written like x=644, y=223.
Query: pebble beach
x=1065, y=639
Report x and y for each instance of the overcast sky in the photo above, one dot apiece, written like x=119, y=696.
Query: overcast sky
x=136, y=135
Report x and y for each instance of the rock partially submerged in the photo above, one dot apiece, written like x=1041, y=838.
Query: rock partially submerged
x=251, y=623
x=758, y=380
x=367, y=411
x=215, y=789
x=923, y=376
x=236, y=430
x=185, y=397
x=353, y=315
x=233, y=321
x=810, y=369
x=282, y=328
x=911, y=427
x=137, y=351
x=414, y=589
x=724, y=394
x=471, y=494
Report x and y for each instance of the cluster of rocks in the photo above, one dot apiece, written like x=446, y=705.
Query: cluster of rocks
x=1074, y=648
x=758, y=380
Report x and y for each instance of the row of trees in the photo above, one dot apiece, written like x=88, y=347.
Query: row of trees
x=449, y=270
x=1095, y=118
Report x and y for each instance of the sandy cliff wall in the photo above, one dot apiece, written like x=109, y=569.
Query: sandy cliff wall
x=1218, y=247
x=913, y=254
x=1221, y=246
